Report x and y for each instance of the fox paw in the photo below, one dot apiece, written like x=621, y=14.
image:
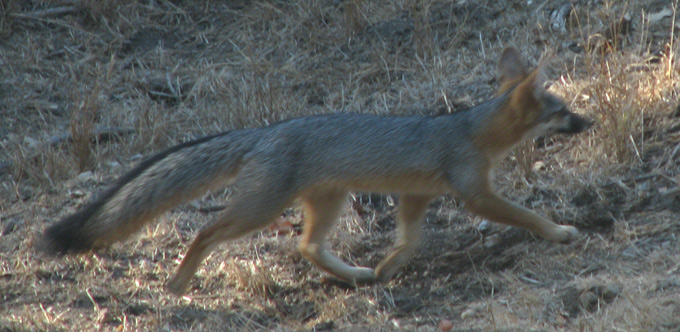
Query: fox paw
x=363, y=276
x=565, y=234
x=178, y=285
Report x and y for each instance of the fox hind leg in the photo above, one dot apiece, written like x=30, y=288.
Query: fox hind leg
x=250, y=210
x=409, y=219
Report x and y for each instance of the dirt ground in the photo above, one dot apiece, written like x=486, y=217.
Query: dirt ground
x=89, y=88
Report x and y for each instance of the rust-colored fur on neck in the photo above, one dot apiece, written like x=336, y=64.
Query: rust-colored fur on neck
x=515, y=119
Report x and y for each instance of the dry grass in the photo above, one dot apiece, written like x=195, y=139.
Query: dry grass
x=160, y=73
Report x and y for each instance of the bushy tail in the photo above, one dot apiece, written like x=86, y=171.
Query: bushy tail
x=168, y=178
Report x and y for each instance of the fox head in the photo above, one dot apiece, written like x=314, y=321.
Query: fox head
x=531, y=108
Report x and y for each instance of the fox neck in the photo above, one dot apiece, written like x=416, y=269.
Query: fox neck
x=511, y=124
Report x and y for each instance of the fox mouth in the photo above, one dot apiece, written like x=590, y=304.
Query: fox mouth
x=577, y=124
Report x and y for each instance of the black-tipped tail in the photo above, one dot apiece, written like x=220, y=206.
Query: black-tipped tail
x=83, y=231
x=67, y=236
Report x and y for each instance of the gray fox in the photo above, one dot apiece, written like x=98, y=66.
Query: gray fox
x=318, y=160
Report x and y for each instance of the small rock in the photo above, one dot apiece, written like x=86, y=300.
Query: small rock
x=104, y=316
x=113, y=164
x=85, y=176
x=589, y=301
x=575, y=47
x=76, y=193
x=485, y=227
x=561, y=320
x=470, y=312
x=325, y=326
x=608, y=293
x=445, y=325
x=493, y=240
x=654, y=18
x=559, y=16
x=137, y=309
x=31, y=142
x=395, y=322
x=539, y=166
x=596, y=296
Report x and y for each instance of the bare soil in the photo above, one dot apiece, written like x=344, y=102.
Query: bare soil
x=89, y=88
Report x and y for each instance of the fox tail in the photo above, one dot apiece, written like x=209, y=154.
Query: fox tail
x=171, y=177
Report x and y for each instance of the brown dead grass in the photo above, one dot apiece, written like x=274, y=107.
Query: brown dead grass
x=174, y=71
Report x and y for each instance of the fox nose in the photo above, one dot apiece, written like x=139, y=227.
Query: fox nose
x=576, y=125
x=580, y=124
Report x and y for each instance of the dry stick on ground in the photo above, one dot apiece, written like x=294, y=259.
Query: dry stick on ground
x=100, y=134
x=38, y=14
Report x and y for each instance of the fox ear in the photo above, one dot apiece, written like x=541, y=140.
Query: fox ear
x=511, y=67
x=539, y=76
